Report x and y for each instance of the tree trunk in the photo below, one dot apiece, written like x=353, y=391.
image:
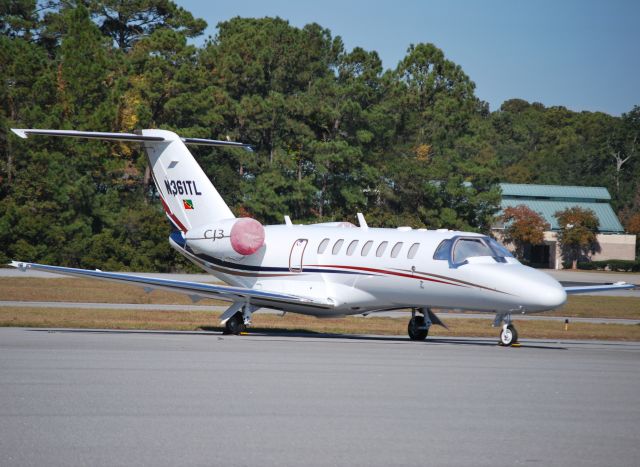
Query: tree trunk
x=146, y=181
x=13, y=117
x=574, y=263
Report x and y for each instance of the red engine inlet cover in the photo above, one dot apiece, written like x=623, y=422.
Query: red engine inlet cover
x=247, y=236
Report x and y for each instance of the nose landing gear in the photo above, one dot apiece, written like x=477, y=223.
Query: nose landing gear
x=509, y=334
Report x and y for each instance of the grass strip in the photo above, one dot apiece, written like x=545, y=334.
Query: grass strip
x=192, y=321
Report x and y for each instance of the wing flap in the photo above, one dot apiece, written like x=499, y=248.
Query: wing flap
x=199, y=289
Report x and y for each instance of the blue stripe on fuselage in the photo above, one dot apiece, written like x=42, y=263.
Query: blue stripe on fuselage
x=248, y=267
x=177, y=237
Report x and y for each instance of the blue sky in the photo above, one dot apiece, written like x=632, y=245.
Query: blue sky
x=583, y=55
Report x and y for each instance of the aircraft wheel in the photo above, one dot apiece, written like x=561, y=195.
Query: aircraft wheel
x=235, y=325
x=417, y=329
x=509, y=335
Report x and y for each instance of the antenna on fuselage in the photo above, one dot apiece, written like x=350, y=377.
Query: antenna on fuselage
x=361, y=221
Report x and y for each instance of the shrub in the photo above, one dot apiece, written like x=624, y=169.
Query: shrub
x=622, y=265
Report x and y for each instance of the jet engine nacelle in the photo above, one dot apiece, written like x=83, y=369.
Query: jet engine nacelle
x=227, y=237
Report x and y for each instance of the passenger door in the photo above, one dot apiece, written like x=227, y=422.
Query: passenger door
x=297, y=254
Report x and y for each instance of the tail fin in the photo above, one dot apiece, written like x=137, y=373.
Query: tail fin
x=188, y=196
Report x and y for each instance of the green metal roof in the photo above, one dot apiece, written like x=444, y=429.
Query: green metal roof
x=609, y=222
x=555, y=191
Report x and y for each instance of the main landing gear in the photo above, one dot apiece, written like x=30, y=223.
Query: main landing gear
x=239, y=321
x=509, y=334
x=235, y=325
x=418, y=327
x=419, y=324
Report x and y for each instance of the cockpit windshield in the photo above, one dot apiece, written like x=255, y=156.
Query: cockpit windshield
x=464, y=248
x=469, y=247
x=499, y=249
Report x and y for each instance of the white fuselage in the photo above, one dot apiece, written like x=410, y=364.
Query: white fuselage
x=322, y=262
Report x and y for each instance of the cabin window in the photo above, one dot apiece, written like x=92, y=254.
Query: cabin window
x=381, y=248
x=396, y=249
x=413, y=250
x=323, y=246
x=352, y=247
x=366, y=248
x=443, y=250
x=337, y=246
x=468, y=248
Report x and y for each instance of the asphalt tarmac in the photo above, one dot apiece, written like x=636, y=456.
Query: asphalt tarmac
x=82, y=397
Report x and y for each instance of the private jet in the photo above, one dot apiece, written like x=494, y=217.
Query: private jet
x=329, y=269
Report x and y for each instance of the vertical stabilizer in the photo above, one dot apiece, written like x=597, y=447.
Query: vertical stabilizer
x=188, y=196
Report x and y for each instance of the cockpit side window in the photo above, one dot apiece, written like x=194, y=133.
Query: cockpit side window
x=499, y=249
x=470, y=247
x=443, y=251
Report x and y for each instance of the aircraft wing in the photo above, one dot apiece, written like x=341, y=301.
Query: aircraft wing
x=598, y=288
x=195, y=290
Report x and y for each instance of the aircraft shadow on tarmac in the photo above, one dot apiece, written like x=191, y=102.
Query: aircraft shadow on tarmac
x=304, y=333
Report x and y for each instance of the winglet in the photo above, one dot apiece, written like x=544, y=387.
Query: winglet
x=20, y=132
x=361, y=221
x=20, y=265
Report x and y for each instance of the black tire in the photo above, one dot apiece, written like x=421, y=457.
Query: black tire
x=415, y=333
x=508, y=336
x=235, y=325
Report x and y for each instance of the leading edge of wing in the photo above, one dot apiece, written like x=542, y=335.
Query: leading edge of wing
x=185, y=287
x=598, y=288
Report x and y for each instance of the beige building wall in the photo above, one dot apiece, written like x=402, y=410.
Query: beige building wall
x=612, y=246
x=616, y=247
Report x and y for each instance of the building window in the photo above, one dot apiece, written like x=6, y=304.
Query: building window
x=366, y=248
x=352, y=247
x=323, y=246
x=413, y=250
x=381, y=248
x=396, y=249
x=337, y=246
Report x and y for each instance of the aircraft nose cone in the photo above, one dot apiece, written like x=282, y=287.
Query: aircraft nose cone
x=539, y=291
x=551, y=296
x=544, y=292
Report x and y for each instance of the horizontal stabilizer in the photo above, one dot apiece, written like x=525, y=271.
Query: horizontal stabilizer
x=216, y=142
x=24, y=133
x=131, y=137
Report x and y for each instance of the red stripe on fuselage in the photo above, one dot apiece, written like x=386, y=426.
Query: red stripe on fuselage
x=382, y=271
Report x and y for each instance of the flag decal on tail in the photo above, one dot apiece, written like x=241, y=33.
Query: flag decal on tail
x=188, y=204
